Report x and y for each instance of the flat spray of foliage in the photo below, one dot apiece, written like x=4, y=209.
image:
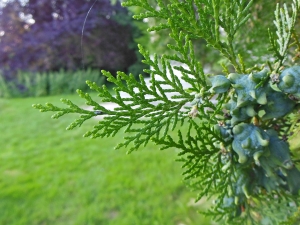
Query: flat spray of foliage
x=232, y=130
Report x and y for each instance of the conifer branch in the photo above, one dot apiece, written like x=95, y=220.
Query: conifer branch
x=145, y=111
x=284, y=24
x=73, y=108
x=201, y=19
x=230, y=128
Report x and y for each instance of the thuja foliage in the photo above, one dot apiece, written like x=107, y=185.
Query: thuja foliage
x=232, y=129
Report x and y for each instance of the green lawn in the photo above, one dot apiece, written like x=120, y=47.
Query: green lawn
x=52, y=176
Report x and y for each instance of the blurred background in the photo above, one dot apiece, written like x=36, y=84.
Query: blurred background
x=53, y=47
x=44, y=43
x=48, y=49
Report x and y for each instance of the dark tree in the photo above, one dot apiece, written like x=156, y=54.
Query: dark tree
x=46, y=35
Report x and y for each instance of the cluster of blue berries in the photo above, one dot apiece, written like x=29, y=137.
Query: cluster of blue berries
x=262, y=154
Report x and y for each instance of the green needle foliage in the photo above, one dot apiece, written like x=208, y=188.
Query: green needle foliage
x=232, y=130
x=284, y=28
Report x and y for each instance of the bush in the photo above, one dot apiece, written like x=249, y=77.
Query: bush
x=66, y=34
x=43, y=84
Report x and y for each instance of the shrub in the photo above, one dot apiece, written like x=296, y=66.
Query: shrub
x=53, y=83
